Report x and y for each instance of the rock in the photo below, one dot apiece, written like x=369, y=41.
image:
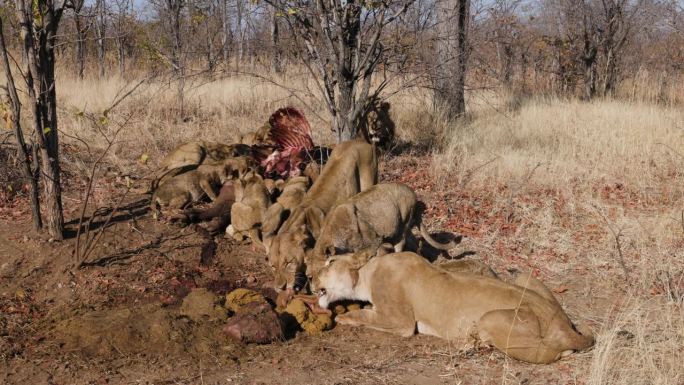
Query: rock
x=309, y=321
x=255, y=322
x=238, y=298
x=200, y=304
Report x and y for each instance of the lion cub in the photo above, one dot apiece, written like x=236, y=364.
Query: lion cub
x=522, y=319
x=252, y=198
x=188, y=156
x=193, y=185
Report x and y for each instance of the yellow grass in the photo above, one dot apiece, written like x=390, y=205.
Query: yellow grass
x=573, y=146
x=564, y=139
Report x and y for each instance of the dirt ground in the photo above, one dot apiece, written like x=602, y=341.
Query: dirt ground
x=117, y=320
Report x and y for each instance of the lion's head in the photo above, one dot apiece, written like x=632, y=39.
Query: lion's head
x=337, y=279
x=376, y=124
x=286, y=255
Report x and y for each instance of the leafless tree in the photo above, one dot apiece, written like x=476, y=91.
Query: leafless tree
x=39, y=21
x=226, y=32
x=276, y=49
x=342, y=42
x=101, y=35
x=452, y=53
x=122, y=31
x=30, y=167
x=82, y=26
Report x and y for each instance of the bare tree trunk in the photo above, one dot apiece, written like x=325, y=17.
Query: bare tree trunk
x=452, y=56
x=275, y=41
x=121, y=55
x=610, y=75
x=81, y=32
x=30, y=173
x=211, y=61
x=121, y=34
x=39, y=70
x=589, y=57
x=175, y=7
x=226, y=34
x=101, y=32
x=240, y=8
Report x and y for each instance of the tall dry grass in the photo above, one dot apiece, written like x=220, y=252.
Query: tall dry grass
x=604, y=139
x=614, y=166
x=635, y=263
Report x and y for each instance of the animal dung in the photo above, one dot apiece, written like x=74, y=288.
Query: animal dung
x=312, y=323
x=239, y=298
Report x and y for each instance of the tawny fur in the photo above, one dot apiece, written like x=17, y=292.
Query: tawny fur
x=190, y=155
x=385, y=213
x=352, y=168
x=252, y=199
x=291, y=195
x=522, y=319
x=218, y=213
x=191, y=186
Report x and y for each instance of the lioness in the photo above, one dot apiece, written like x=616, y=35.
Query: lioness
x=384, y=213
x=523, y=319
x=192, y=185
x=251, y=201
x=351, y=168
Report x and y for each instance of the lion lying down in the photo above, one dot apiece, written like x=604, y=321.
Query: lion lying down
x=523, y=319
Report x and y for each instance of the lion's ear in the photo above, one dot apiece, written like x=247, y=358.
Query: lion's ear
x=362, y=256
x=314, y=220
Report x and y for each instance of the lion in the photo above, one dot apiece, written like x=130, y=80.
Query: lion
x=189, y=156
x=376, y=124
x=252, y=199
x=384, y=213
x=262, y=136
x=351, y=168
x=193, y=185
x=522, y=319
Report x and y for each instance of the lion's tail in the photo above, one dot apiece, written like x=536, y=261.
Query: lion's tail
x=432, y=242
x=418, y=216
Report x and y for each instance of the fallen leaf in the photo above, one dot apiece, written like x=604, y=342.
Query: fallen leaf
x=560, y=289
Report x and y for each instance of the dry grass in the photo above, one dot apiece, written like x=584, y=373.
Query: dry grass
x=612, y=169
x=569, y=139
